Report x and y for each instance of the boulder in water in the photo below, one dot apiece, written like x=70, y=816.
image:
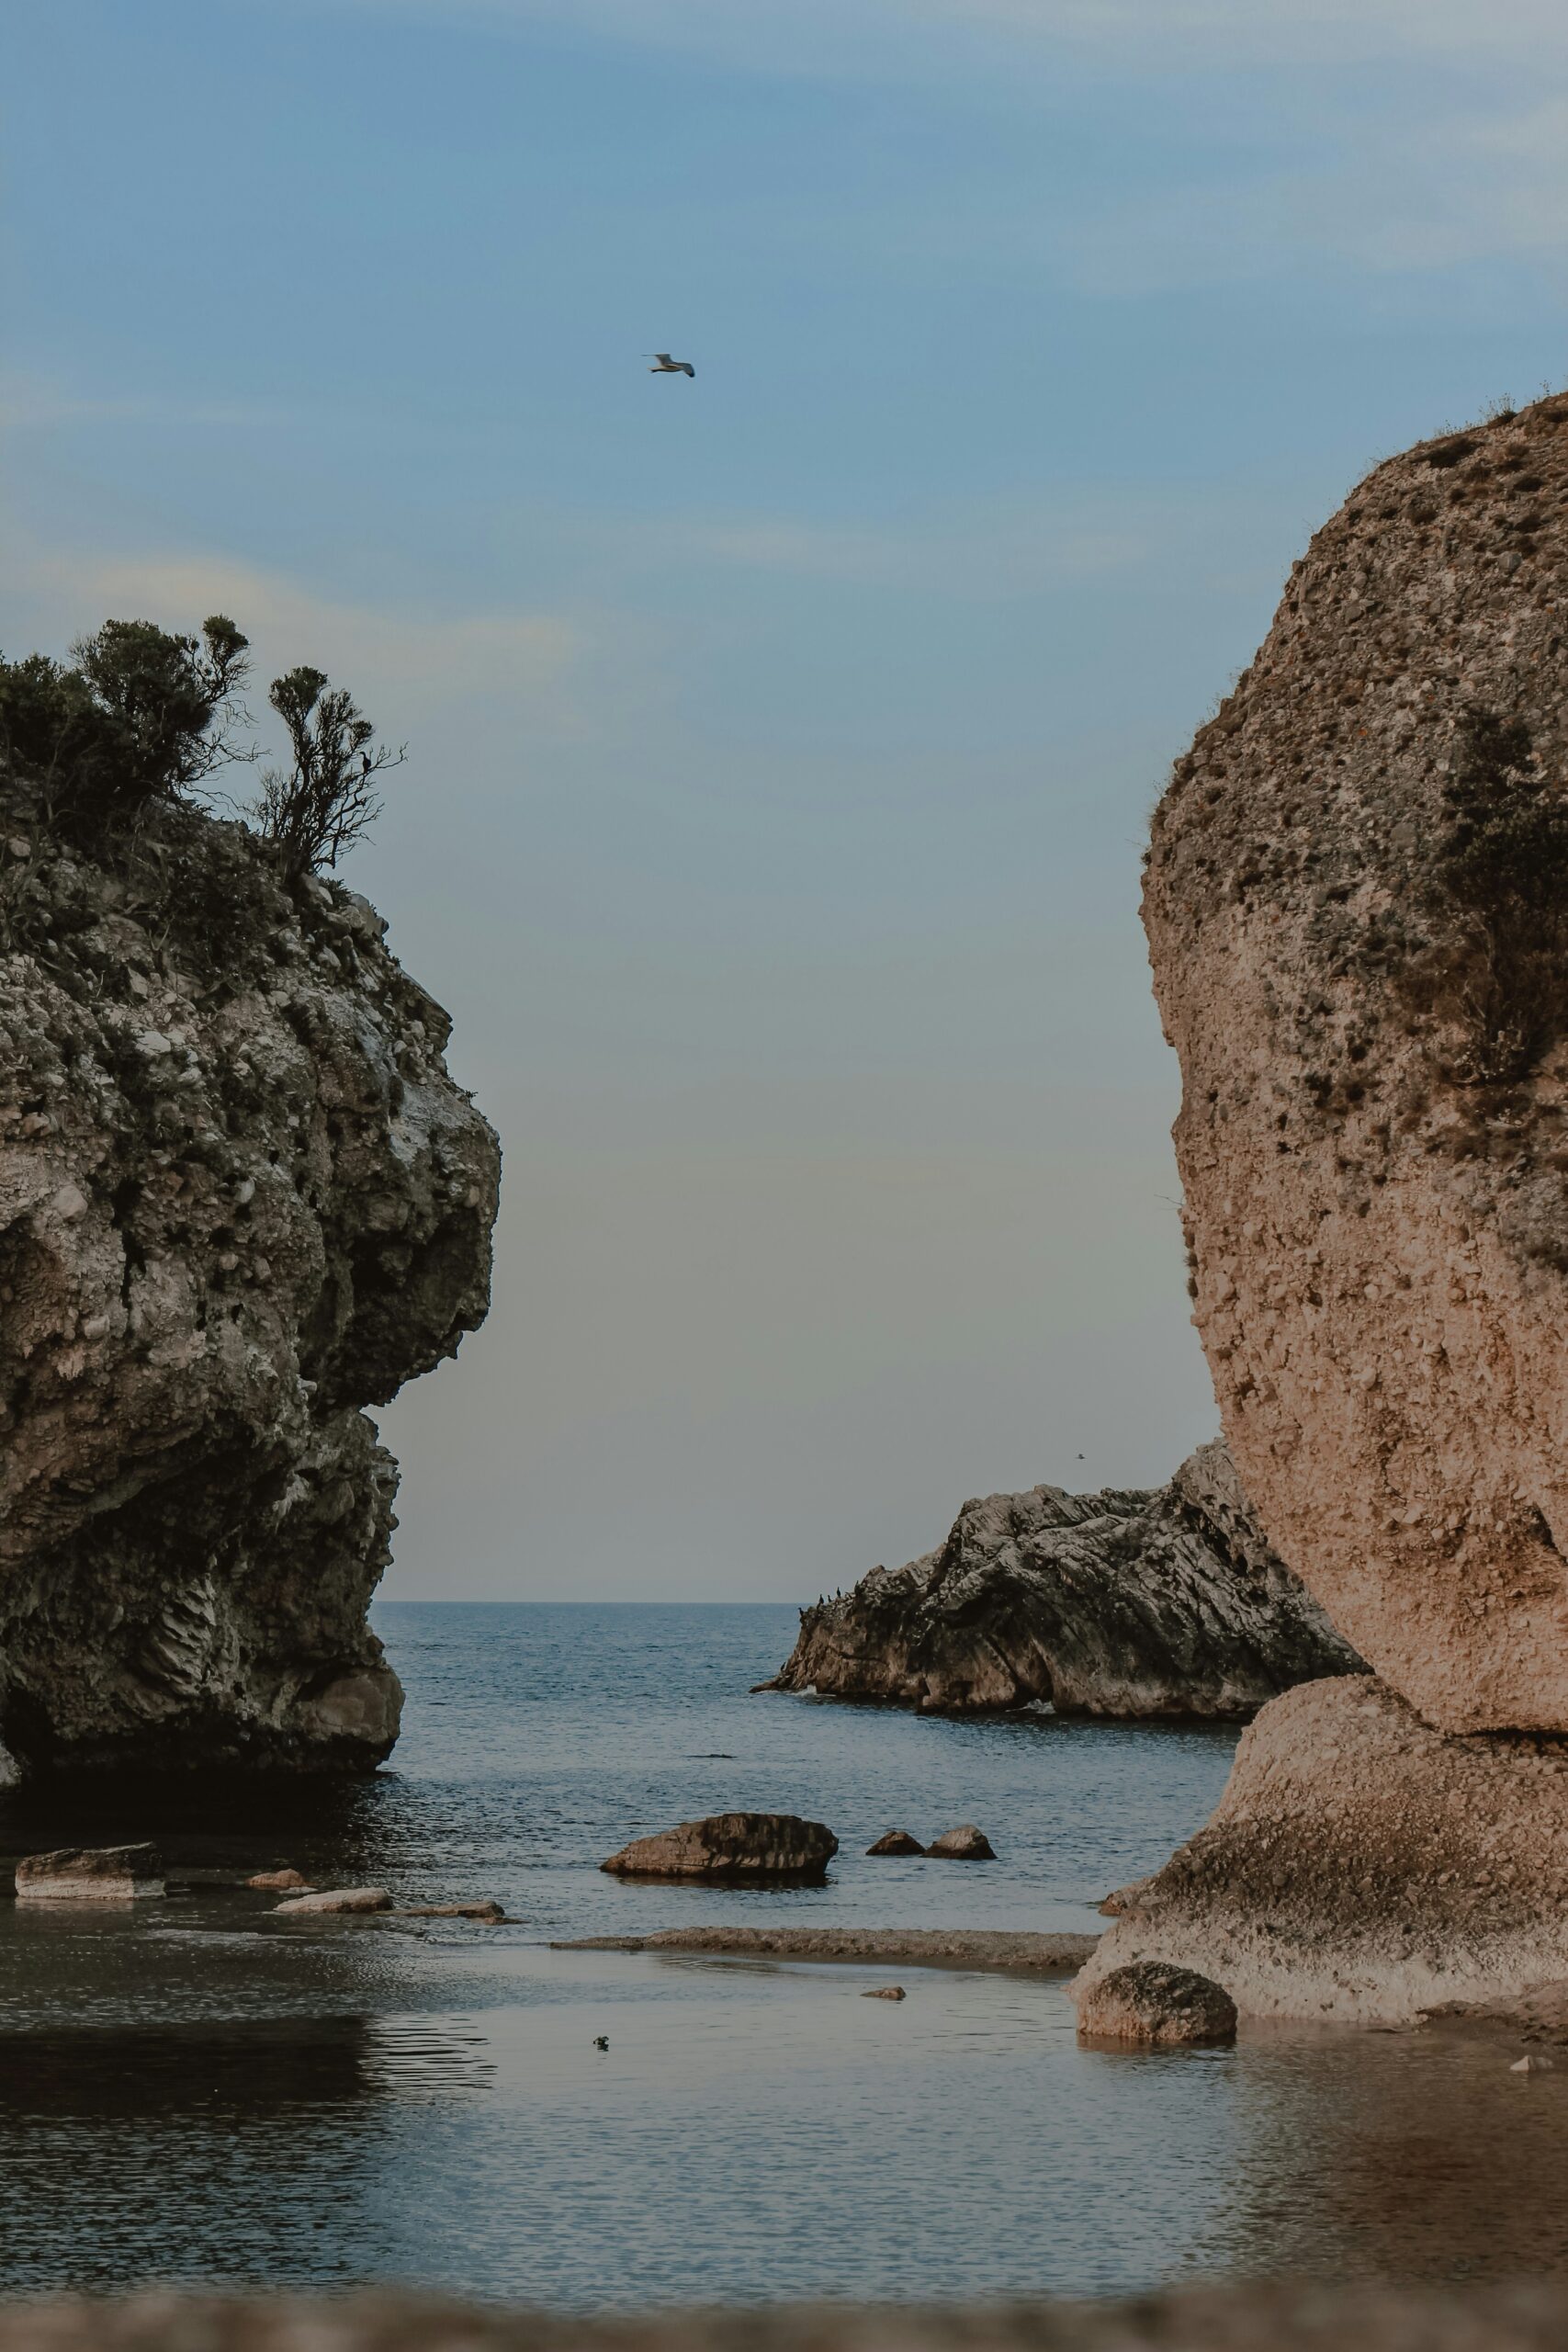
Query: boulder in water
x=730, y=1846
x=90, y=1874
x=1151, y=2003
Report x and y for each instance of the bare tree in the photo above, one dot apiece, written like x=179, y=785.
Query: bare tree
x=320, y=806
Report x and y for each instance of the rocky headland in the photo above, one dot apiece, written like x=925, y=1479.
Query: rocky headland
x=241, y=1201
x=1136, y=1603
x=1357, y=904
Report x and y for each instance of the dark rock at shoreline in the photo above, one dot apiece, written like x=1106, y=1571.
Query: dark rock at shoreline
x=897, y=1841
x=241, y=1200
x=1123, y=1602
x=1149, y=2002
x=730, y=1846
x=90, y=1874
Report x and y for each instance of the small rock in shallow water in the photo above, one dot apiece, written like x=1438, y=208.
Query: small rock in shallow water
x=730, y=1846
x=90, y=1874
x=883, y=1993
x=965, y=1844
x=1148, y=2001
x=280, y=1881
x=340, y=1898
x=487, y=1910
x=1532, y=2062
x=897, y=1841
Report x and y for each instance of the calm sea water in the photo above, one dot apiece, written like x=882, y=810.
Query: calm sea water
x=201, y=2091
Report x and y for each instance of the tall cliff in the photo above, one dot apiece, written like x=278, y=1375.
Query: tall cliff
x=241, y=1200
x=1125, y=1602
x=1357, y=904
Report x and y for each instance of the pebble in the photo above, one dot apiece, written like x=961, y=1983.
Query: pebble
x=1532, y=2062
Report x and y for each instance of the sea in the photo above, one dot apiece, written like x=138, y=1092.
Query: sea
x=201, y=2090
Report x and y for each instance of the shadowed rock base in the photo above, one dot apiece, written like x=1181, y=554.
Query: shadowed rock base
x=1362, y=1867
x=1529, y=2316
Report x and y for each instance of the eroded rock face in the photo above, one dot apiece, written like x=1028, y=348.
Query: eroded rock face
x=730, y=1846
x=1362, y=1867
x=1356, y=904
x=1117, y=1604
x=240, y=1200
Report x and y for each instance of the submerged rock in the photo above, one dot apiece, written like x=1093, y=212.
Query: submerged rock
x=278, y=1881
x=350, y=1899
x=885, y=1993
x=1357, y=905
x=965, y=1844
x=1123, y=1602
x=90, y=1874
x=730, y=1846
x=240, y=1200
x=1148, y=2001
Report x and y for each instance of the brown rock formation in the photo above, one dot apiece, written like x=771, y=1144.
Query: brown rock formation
x=240, y=1200
x=1167, y=1602
x=730, y=1846
x=1362, y=1867
x=1147, y=2002
x=1356, y=904
x=90, y=1874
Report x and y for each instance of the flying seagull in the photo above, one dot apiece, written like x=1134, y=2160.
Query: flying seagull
x=667, y=367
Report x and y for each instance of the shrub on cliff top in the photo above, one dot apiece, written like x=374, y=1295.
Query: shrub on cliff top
x=141, y=715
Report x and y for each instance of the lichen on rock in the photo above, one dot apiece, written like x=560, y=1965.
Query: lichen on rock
x=1124, y=1603
x=241, y=1200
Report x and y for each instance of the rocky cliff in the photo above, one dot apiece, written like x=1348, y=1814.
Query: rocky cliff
x=240, y=1200
x=1357, y=904
x=1165, y=1602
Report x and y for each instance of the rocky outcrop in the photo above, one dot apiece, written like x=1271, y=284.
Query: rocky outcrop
x=90, y=1874
x=730, y=1846
x=1357, y=904
x=1362, y=1867
x=965, y=1844
x=1148, y=2003
x=1163, y=1603
x=241, y=1200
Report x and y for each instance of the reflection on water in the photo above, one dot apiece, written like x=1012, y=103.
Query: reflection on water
x=197, y=2089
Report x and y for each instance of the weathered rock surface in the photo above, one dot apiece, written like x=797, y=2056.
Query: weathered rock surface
x=1007, y=1949
x=90, y=1874
x=965, y=1844
x=1163, y=1602
x=1363, y=1867
x=349, y=1900
x=896, y=1841
x=280, y=1881
x=240, y=1200
x=730, y=1846
x=1526, y=2315
x=1357, y=904
x=1148, y=2001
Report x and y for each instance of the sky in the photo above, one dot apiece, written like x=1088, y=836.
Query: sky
x=781, y=742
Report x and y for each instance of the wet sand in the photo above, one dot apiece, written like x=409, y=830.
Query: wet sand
x=1014, y=1950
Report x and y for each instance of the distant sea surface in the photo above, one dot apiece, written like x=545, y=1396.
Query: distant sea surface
x=198, y=2090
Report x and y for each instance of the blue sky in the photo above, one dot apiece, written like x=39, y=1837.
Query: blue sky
x=780, y=742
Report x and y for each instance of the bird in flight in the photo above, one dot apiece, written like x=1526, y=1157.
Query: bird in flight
x=667, y=367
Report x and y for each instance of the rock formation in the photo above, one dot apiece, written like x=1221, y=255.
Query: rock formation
x=1356, y=904
x=730, y=1846
x=91, y=1874
x=1362, y=1868
x=1166, y=1602
x=1152, y=2004
x=240, y=1200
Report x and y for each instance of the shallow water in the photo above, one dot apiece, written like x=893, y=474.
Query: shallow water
x=201, y=2090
